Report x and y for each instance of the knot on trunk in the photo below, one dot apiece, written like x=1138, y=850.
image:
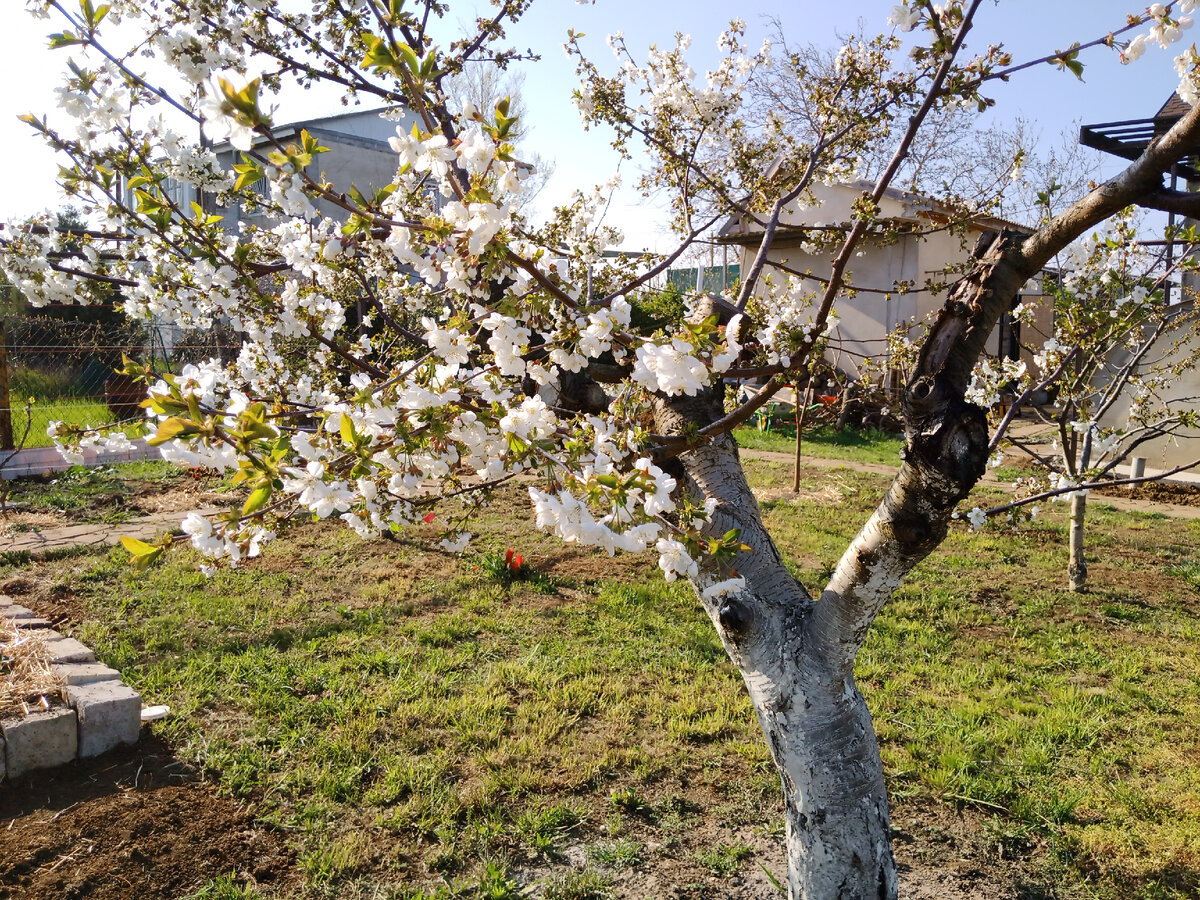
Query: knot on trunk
x=950, y=450
x=735, y=619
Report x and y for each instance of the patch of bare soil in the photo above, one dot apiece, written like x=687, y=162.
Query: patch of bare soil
x=126, y=499
x=829, y=495
x=131, y=823
x=54, y=602
x=15, y=521
x=939, y=854
x=1159, y=492
x=587, y=565
x=177, y=498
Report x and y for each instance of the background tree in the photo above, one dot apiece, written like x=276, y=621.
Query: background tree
x=1119, y=347
x=483, y=85
x=525, y=362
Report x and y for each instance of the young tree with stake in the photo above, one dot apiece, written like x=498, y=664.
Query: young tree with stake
x=521, y=364
x=1116, y=355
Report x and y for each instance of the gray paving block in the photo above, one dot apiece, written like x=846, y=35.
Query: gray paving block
x=40, y=740
x=110, y=714
x=3, y=767
x=18, y=612
x=69, y=650
x=34, y=622
x=85, y=673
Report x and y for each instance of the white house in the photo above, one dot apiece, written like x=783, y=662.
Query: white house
x=359, y=154
x=892, y=277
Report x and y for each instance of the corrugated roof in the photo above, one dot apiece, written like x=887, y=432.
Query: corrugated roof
x=1174, y=108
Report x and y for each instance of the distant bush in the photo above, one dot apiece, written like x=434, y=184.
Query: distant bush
x=39, y=383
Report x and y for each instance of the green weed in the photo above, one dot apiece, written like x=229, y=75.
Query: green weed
x=723, y=860
x=586, y=885
x=619, y=854
x=226, y=887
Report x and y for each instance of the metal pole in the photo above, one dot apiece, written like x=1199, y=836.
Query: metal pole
x=1171, y=239
x=6, y=427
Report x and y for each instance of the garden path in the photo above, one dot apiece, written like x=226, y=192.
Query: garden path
x=148, y=527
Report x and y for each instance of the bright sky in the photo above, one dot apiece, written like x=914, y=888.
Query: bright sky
x=1028, y=28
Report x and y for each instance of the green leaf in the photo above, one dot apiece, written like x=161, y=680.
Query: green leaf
x=163, y=404
x=410, y=59
x=311, y=144
x=142, y=554
x=172, y=428
x=258, y=498
x=248, y=171
x=63, y=39
x=148, y=203
x=348, y=433
x=137, y=547
x=378, y=56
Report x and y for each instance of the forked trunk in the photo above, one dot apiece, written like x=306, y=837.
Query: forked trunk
x=1077, y=567
x=797, y=655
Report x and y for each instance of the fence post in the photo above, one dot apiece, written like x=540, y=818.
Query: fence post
x=6, y=429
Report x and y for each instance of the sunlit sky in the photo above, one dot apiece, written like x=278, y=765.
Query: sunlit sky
x=1053, y=100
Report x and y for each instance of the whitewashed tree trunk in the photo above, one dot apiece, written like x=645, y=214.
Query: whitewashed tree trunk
x=796, y=654
x=813, y=717
x=1077, y=566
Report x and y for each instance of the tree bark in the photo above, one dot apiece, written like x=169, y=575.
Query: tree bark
x=1077, y=567
x=813, y=717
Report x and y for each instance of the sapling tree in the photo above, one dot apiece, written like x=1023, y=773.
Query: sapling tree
x=1112, y=364
x=526, y=363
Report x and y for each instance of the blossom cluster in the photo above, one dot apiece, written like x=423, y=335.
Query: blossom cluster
x=1170, y=21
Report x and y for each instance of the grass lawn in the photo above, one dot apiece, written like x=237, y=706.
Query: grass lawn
x=418, y=729
x=852, y=445
x=59, y=409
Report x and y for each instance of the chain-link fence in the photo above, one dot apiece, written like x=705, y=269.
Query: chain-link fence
x=65, y=370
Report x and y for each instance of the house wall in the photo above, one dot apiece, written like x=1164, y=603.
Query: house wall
x=868, y=317
x=364, y=165
x=358, y=154
x=1184, y=392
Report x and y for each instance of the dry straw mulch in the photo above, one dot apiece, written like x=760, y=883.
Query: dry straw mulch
x=27, y=682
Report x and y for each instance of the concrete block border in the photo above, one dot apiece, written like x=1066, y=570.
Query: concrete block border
x=101, y=712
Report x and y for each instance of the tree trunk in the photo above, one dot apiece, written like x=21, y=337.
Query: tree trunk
x=838, y=833
x=813, y=717
x=795, y=655
x=1077, y=567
